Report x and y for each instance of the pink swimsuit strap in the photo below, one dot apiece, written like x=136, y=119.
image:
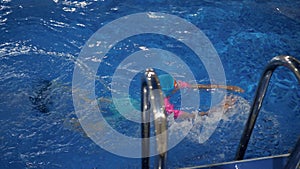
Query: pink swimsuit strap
x=182, y=84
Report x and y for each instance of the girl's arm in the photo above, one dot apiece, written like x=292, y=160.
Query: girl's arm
x=182, y=84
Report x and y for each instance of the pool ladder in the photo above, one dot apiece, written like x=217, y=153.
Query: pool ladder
x=292, y=64
x=152, y=101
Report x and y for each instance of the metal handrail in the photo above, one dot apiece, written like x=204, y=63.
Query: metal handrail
x=286, y=61
x=294, y=159
x=152, y=101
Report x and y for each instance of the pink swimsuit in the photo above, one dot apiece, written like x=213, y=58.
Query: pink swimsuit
x=169, y=106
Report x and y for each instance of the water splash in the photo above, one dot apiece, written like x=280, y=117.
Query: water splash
x=235, y=115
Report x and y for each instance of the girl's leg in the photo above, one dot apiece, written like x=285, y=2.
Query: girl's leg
x=227, y=103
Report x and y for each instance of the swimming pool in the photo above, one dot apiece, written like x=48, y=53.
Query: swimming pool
x=40, y=41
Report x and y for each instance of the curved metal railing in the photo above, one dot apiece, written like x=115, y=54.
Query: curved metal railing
x=286, y=61
x=294, y=159
x=152, y=102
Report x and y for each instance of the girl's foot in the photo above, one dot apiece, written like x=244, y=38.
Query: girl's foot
x=229, y=102
x=203, y=113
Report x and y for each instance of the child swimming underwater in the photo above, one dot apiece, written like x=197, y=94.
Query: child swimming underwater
x=169, y=86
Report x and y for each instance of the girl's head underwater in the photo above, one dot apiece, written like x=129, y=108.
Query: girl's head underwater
x=168, y=84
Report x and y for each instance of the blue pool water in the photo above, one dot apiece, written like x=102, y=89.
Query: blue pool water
x=40, y=41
